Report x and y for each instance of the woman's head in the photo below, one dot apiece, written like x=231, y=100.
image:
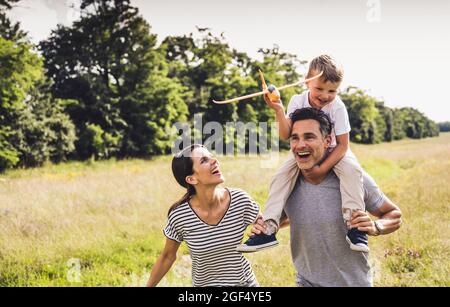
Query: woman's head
x=195, y=167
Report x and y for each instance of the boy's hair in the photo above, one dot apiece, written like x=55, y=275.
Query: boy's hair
x=332, y=71
x=318, y=115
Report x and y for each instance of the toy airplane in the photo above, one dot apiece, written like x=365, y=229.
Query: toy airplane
x=271, y=90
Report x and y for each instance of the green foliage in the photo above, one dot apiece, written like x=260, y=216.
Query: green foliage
x=114, y=93
x=9, y=156
x=210, y=69
x=417, y=125
x=368, y=126
x=108, y=63
x=373, y=122
x=444, y=127
x=33, y=126
x=98, y=142
x=8, y=29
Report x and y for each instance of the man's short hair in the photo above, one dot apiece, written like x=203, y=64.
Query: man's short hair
x=318, y=115
x=332, y=71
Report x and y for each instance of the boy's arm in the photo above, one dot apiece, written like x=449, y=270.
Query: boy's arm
x=319, y=171
x=284, y=124
x=337, y=154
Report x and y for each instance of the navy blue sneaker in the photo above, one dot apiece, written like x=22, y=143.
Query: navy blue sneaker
x=257, y=243
x=358, y=240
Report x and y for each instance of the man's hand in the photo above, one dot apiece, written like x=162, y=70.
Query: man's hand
x=362, y=221
x=258, y=227
x=276, y=105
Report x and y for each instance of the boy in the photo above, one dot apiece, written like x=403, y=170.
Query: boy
x=321, y=95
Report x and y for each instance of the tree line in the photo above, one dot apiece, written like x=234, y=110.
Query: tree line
x=103, y=87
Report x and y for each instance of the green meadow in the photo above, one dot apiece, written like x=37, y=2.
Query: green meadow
x=100, y=223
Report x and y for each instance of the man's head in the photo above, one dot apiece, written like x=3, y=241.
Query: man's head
x=324, y=89
x=310, y=136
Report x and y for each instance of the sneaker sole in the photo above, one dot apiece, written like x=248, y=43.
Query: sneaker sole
x=357, y=248
x=251, y=249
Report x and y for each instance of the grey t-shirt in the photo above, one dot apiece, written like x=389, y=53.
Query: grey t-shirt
x=321, y=255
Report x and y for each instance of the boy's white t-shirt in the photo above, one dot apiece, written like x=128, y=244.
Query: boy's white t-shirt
x=336, y=110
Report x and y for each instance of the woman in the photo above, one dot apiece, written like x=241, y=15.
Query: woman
x=211, y=220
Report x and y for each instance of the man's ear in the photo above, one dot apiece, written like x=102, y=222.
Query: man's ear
x=191, y=180
x=327, y=141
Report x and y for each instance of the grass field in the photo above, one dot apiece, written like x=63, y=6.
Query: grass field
x=100, y=223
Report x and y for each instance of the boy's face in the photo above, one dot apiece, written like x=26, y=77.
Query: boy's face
x=321, y=93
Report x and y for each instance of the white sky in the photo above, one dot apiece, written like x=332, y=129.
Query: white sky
x=397, y=50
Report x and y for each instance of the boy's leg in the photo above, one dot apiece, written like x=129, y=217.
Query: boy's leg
x=351, y=185
x=352, y=192
x=282, y=184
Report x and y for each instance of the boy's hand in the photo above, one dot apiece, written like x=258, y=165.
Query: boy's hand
x=275, y=105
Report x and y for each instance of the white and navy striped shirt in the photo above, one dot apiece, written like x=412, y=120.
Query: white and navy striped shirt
x=215, y=261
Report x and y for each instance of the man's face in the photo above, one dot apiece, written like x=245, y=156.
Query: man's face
x=308, y=144
x=321, y=93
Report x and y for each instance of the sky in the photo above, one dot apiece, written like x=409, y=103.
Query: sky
x=396, y=50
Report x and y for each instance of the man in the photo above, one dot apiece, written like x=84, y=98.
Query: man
x=319, y=250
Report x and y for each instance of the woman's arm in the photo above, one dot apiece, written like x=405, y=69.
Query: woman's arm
x=164, y=262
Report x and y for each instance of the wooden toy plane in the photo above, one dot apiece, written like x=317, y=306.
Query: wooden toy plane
x=271, y=90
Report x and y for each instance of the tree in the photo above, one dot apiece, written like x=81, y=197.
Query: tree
x=367, y=125
x=18, y=69
x=43, y=131
x=107, y=62
x=417, y=125
x=212, y=70
x=444, y=126
x=33, y=126
x=8, y=29
x=387, y=115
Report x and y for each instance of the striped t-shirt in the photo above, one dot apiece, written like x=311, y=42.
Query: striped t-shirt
x=215, y=261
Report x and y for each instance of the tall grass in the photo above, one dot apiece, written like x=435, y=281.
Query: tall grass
x=100, y=224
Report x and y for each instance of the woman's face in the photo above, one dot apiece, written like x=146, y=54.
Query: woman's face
x=206, y=168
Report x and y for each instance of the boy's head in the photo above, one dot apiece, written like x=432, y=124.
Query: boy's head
x=324, y=89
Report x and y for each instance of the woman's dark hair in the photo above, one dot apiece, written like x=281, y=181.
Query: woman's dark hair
x=182, y=166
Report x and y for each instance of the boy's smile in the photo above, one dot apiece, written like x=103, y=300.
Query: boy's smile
x=322, y=93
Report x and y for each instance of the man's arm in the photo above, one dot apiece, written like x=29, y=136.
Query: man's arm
x=259, y=226
x=389, y=217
